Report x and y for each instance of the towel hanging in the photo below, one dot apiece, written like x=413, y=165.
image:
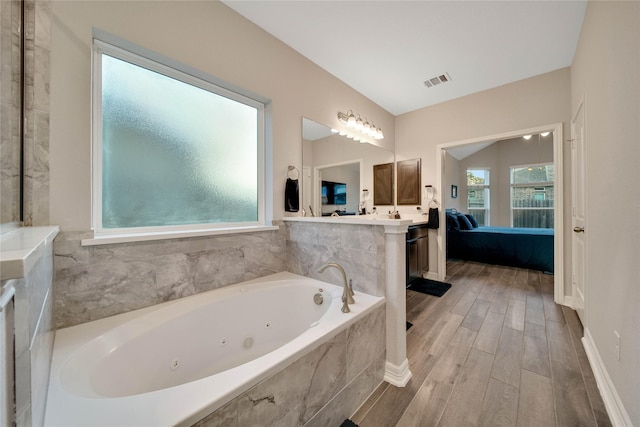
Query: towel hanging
x=292, y=190
x=434, y=216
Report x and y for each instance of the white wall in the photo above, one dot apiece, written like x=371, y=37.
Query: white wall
x=538, y=101
x=606, y=75
x=207, y=36
x=499, y=158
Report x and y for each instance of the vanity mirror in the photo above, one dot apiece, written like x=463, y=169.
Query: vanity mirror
x=10, y=113
x=339, y=170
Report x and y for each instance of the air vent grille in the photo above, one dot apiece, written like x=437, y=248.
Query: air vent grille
x=434, y=81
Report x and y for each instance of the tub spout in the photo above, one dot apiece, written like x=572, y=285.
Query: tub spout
x=347, y=293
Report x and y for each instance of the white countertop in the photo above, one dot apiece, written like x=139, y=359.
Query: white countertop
x=369, y=219
x=21, y=248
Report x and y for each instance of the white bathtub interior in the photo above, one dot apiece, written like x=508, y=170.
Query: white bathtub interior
x=126, y=370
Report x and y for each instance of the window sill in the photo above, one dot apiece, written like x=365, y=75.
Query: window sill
x=143, y=237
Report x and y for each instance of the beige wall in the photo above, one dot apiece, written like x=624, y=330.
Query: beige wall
x=452, y=176
x=499, y=158
x=207, y=36
x=606, y=75
x=538, y=101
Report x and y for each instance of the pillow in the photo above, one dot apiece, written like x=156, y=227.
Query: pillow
x=472, y=220
x=452, y=222
x=464, y=222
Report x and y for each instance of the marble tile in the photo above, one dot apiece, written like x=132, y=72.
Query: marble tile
x=264, y=258
x=351, y=397
x=41, y=79
x=43, y=24
x=104, y=290
x=175, y=276
x=214, y=269
x=40, y=159
x=362, y=237
x=365, y=341
x=88, y=278
x=226, y=416
x=299, y=391
x=29, y=19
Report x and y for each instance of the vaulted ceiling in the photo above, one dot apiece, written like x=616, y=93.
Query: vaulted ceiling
x=386, y=50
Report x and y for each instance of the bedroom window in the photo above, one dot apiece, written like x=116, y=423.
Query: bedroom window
x=172, y=152
x=478, y=195
x=532, y=196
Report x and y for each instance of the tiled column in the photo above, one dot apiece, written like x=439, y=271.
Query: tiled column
x=37, y=47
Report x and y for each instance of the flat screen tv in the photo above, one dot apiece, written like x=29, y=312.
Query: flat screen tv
x=334, y=193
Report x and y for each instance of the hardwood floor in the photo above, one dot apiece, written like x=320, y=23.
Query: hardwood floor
x=495, y=350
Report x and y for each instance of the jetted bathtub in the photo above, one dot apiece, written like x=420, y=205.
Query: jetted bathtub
x=176, y=362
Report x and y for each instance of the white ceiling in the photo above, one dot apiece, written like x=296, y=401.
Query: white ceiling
x=387, y=49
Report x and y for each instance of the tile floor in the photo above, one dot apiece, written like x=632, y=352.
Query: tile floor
x=495, y=350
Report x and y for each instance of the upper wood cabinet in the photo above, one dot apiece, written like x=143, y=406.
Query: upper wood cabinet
x=409, y=182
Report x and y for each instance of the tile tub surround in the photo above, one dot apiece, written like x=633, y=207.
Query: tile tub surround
x=360, y=249
x=364, y=247
x=93, y=282
x=322, y=388
x=37, y=51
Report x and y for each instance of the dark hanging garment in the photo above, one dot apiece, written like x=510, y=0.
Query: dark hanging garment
x=291, y=198
x=434, y=218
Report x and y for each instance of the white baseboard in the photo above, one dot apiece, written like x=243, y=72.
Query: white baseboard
x=568, y=301
x=397, y=375
x=612, y=402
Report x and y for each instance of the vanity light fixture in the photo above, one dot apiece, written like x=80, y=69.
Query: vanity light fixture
x=527, y=137
x=544, y=134
x=363, y=126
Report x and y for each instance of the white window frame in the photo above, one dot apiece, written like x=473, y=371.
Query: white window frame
x=528, y=184
x=186, y=75
x=484, y=187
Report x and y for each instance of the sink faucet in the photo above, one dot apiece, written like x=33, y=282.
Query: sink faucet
x=347, y=293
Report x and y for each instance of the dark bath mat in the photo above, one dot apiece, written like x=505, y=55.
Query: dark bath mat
x=348, y=423
x=427, y=286
x=409, y=324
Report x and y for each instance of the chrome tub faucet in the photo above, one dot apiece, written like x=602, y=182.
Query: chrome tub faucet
x=347, y=293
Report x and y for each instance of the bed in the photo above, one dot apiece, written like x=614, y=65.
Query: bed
x=530, y=248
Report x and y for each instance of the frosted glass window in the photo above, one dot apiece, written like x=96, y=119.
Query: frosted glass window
x=174, y=153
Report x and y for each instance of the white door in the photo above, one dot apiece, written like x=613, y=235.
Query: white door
x=578, y=212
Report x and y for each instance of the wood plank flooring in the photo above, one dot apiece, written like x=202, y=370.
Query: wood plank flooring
x=495, y=350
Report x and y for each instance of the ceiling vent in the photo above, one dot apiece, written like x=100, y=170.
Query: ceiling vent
x=435, y=81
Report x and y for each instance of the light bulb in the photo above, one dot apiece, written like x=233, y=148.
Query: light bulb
x=351, y=120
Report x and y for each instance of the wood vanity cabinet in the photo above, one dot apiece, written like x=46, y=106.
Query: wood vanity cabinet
x=417, y=251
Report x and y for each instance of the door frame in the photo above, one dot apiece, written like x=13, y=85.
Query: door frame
x=573, y=301
x=558, y=211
